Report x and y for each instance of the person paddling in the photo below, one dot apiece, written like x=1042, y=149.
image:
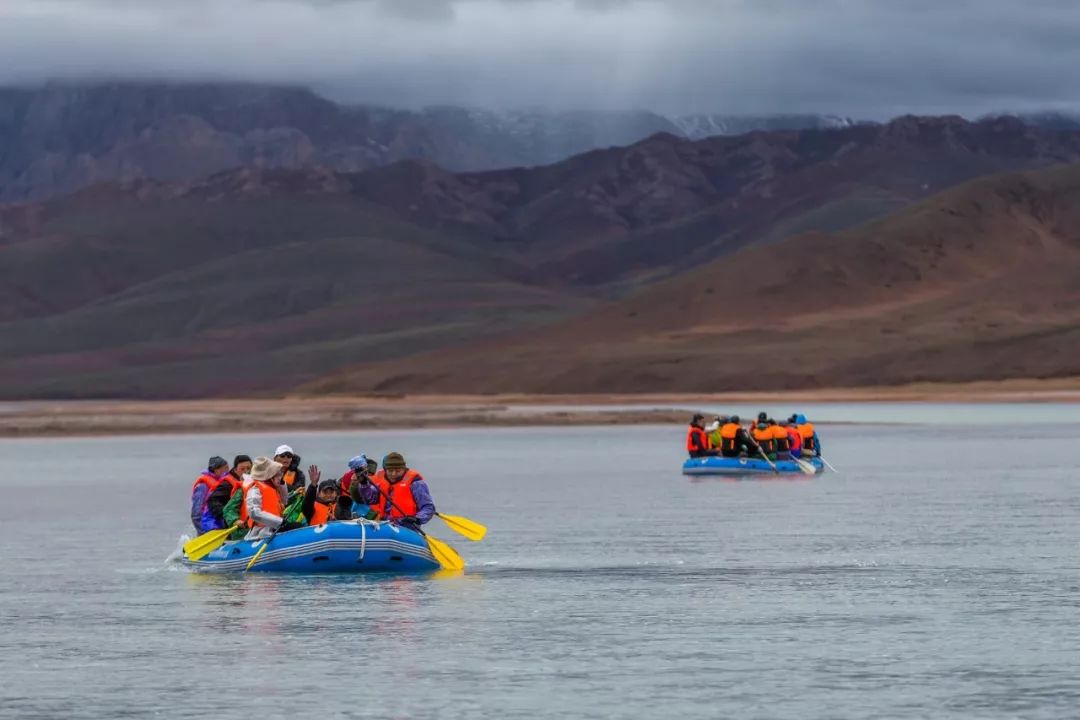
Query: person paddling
x=811, y=445
x=780, y=441
x=794, y=439
x=397, y=493
x=205, y=484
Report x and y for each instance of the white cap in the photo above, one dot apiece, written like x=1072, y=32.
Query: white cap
x=282, y=449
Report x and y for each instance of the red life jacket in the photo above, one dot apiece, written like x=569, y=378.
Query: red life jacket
x=271, y=501
x=347, y=481
x=794, y=438
x=400, y=493
x=696, y=440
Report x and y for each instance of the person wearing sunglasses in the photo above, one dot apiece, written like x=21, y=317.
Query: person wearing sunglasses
x=295, y=480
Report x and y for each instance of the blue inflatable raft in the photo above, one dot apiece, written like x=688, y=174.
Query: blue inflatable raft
x=351, y=546
x=746, y=466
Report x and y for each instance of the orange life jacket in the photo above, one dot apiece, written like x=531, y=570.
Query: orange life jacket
x=806, y=430
x=696, y=439
x=764, y=438
x=271, y=501
x=322, y=513
x=780, y=437
x=728, y=433
x=400, y=494
x=290, y=479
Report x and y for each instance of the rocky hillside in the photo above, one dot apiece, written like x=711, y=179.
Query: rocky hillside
x=60, y=138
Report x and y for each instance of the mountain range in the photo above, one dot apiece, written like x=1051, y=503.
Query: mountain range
x=59, y=138
x=923, y=248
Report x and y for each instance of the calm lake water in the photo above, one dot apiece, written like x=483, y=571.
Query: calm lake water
x=937, y=576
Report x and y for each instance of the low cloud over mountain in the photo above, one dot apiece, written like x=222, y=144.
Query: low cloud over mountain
x=865, y=58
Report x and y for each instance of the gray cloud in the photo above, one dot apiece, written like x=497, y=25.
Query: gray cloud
x=870, y=58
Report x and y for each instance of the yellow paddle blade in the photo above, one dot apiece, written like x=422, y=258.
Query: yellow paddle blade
x=464, y=526
x=806, y=467
x=446, y=556
x=256, y=555
x=206, y=543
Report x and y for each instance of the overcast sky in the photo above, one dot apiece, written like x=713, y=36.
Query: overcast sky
x=867, y=58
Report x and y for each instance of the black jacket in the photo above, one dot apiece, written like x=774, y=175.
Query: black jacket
x=220, y=497
x=342, y=511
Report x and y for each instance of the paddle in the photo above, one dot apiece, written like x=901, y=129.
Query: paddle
x=828, y=464
x=206, y=543
x=465, y=527
x=445, y=555
x=291, y=509
x=771, y=464
x=806, y=467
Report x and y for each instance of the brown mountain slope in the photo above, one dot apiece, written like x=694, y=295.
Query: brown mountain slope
x=981, y=282
x=666, y=204
x=249, y=281
x=262, y=279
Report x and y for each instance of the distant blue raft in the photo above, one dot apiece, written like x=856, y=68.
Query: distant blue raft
x=352, y=546
x=746, y=466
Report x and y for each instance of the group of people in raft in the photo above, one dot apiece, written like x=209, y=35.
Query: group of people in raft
x=266, y=494
x=725, y=436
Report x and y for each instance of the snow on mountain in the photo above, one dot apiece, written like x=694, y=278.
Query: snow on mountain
x=706, y=125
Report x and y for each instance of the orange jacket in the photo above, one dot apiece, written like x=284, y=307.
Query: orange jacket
x=271, y=501
x=764, y=438
x=402, y=503
x=780, y=437
x=728, y=434
x=322, y=514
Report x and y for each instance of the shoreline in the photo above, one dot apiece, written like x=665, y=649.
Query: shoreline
x=96, y=418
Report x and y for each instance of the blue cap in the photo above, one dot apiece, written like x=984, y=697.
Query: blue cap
x=358, y=463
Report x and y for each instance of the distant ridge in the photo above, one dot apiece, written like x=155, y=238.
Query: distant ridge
x=262, y=279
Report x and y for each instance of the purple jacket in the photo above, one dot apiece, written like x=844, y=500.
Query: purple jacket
x=425, y=507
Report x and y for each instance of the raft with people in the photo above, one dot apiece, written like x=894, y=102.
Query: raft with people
x=267, y=515
x=725, y=447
